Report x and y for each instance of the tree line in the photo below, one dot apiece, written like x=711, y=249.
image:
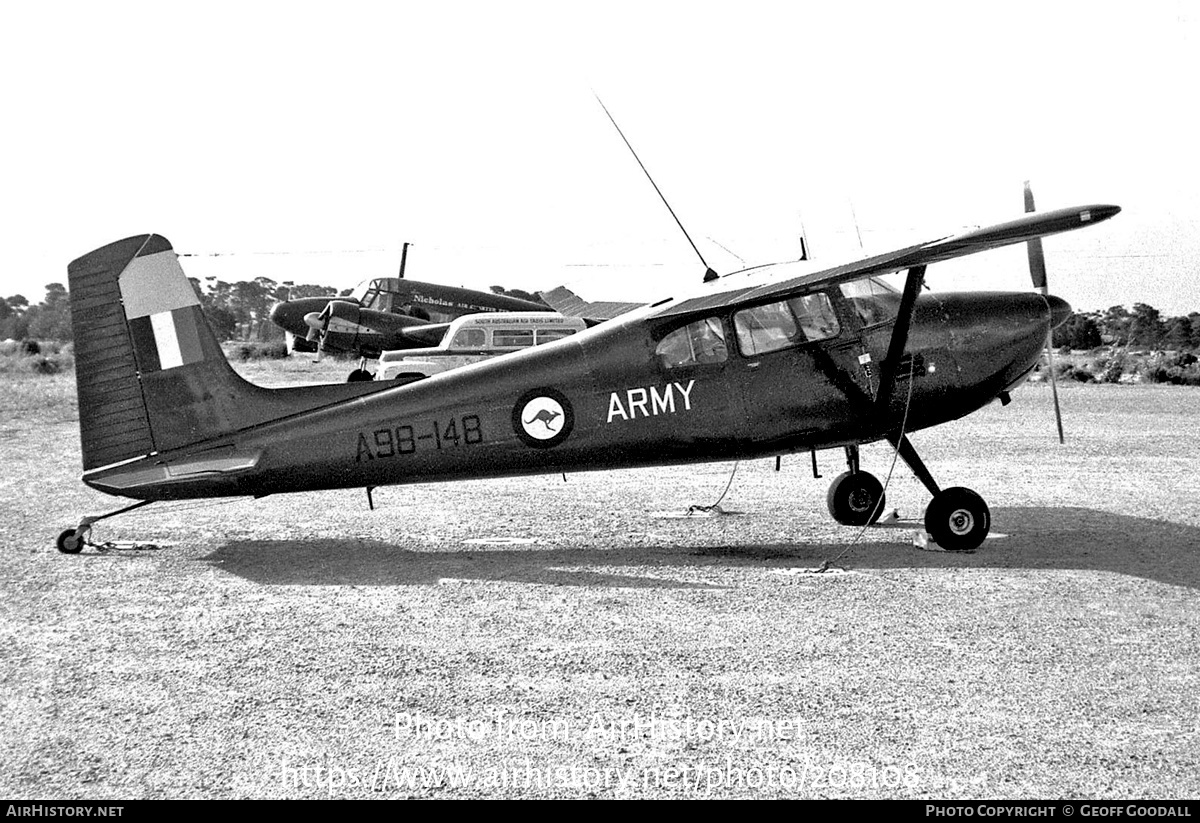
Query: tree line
x=1142, y=328
x=241, y=311
x=237, y=311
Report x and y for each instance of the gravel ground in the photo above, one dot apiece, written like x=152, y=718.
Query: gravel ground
x=542, y=638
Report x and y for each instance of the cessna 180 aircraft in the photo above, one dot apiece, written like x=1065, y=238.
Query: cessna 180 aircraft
x=766, y=361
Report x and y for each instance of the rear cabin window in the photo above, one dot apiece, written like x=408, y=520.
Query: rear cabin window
x=512, y=338
x=695, y=343
x=547, y=335
x=787, y=323
x=469, y=339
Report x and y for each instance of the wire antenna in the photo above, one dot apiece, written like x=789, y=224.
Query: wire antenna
x=709, y=274
x=857, y=230
x=716, y=242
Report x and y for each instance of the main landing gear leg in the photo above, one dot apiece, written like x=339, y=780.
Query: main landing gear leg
x=73, y=540
x=360, y=375
x=957, y=518
x=855, y=497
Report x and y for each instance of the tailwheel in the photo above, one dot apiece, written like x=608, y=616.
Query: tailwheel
x=855, y=498
x=70, y=542
x=957, y=519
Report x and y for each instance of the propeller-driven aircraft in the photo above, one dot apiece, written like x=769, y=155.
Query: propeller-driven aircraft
x=766, y=361
x=384, y=314
x=387, y=313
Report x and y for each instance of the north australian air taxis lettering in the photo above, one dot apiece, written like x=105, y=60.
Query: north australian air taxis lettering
x=650, y=401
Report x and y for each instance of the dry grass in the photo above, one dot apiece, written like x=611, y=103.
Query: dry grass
x=577, y=630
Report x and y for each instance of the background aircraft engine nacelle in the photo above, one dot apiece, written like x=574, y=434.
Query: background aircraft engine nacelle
x=344, y=310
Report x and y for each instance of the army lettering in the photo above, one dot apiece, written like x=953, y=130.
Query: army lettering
x=649, y=402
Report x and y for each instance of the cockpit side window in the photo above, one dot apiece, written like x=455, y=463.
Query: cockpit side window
x=872, y=299
x=700, y=342
x=816, y=316
x=776, y=326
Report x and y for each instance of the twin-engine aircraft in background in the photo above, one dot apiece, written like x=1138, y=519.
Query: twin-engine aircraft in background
x=384, y=314
x=766, y=361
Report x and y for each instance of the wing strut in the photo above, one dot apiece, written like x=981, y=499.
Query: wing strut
x=891, y=364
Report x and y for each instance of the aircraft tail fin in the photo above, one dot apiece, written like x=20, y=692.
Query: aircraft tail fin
x=150, y=373
x=135, y=316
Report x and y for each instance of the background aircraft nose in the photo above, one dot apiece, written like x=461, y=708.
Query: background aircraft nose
x=1060, y=310
x=290, y=315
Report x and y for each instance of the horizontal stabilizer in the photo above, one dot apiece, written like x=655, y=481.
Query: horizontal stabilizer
x=568, y=303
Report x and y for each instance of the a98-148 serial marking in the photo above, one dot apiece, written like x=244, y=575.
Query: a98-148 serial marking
x=405, y=439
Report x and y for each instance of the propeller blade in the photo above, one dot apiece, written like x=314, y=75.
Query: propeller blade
x=1037, y=265
x=323, y=334
x=1037, y=273
x=1054, y=386
x=1037, y=260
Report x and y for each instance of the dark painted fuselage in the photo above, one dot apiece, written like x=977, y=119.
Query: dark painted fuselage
x=604, y=399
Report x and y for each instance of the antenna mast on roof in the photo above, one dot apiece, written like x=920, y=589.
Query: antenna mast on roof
x=709, y=274
x=404, y=258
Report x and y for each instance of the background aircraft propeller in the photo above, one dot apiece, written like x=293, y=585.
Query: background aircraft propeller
x=318, y=337
x=1037, y=271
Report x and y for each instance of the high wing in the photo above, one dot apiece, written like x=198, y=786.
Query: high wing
x=568, y=303
x=1020, y=230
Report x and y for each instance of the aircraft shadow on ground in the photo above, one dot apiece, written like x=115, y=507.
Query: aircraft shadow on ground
x=1067, y=538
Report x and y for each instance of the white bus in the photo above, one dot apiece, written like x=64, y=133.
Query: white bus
x=476, y=337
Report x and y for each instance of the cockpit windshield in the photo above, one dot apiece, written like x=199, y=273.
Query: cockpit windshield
x=372, y=294
x=361, y=290
x=873, y=300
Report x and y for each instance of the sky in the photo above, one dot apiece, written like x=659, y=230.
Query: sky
x=307, y=141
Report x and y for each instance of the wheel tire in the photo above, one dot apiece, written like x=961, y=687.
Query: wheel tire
x=360, y=376
x=855, y=499
x=68, y=543
x=958, y=520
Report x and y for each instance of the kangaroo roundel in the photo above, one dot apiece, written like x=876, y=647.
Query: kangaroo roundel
x=543, y=418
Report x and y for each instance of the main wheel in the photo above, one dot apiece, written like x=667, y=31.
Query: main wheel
x=360, y=376
x=68, y=543
x=855, y=499
x=958, y=520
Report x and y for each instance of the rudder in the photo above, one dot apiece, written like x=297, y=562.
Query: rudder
x=114, y=424
x=150, y=373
